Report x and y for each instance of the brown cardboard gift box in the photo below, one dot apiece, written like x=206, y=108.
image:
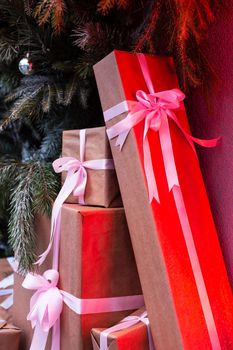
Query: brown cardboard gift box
x=183, y=276
x=9, y=335
x=102, y=186
x=22, y=296
x=5, y=271
x=134, y=337
x=96, y=261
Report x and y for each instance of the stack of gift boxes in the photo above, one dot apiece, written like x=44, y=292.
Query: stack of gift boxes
x=91, y=297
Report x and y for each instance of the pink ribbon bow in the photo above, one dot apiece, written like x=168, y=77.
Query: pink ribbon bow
x=154, y=108
x=75, y=182
x=124, y=324
x=47, y=303
x=46, y=306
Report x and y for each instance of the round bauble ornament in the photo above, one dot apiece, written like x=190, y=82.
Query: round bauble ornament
x=26, y=65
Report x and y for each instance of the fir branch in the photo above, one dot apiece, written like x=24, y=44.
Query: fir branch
x=8, y=172
x=45, y=186
x=48, y=98
x=28, y=86
x=64, y=66
x=59, y=93
x=51, y=9
x=50, y=147
x=149, y=28
x=92, y=37
x=99, y=39
x=36, y=187
x=21, y=231
x=9, y=80
x=104, y=6
x=27, y=7
x=9, y=48
x=25, y=106
x=70, y=90
x=12, y=11
x=84, y=69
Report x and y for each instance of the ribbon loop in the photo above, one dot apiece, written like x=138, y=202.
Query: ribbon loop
x=46, y=304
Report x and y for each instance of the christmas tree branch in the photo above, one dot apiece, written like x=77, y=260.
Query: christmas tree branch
x=35, y=189
x=21, y=231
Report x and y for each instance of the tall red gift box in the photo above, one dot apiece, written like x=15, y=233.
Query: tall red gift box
x=190, y=306
x=96, y=261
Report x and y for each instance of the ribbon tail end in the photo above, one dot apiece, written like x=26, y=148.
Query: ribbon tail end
x=154, y=196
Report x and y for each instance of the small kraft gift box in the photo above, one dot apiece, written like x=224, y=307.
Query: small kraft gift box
x=7, y=268
x=90, y=147
x=132, y=333
x=9, y=335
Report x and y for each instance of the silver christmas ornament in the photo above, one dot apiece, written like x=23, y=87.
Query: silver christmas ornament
x=26, y=65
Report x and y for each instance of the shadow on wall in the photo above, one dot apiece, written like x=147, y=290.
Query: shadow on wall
x=217, y=164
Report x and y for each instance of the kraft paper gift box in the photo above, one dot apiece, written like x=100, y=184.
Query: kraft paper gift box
x=96, y=261
x=102, y=187
x=134, y=336
x=181, y=268
x=22, y=296
x=6, y=272
x=9, y=335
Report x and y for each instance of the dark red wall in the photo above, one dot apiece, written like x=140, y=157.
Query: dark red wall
x=217, y=164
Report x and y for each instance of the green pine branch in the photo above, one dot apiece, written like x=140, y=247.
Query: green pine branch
x=45, y=186
x=9, y=48
x=34, y=190
x=70, y=89
x=21, y=232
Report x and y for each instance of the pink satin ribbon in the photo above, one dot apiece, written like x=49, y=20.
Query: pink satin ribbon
x=127, y=322
x=155, y=109
x=75, y=182
x=47, y=303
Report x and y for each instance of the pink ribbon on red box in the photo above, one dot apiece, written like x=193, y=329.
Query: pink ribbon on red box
x=127, y=322
x=47, y=303
x=155, y=109
x=75, y=182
